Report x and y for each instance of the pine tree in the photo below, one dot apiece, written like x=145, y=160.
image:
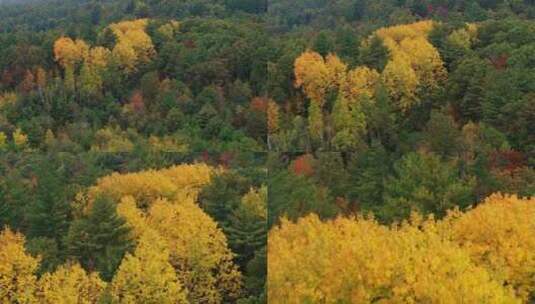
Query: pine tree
x=48, y=216
x=374, y=54
x=322, y=44
x=222, y=195
x=422, y=182
x=247, y=227
x=99, y=240
x=369, y=170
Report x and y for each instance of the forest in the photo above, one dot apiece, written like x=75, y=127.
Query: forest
x=279, y=151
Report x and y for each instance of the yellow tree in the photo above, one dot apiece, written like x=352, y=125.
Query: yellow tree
x=463, y=37
x=3, y=140
x=125, y=55
x=20, y=139
x=92, y=69
x=349, y=123
x=401, y=81
x=134, y=45
x=350, y=260
x=110, y=139
x=146, y=276
x=164, y=201
x=425, y=61
x=499, y=235
x=7, y=99
x=69, y=53
x=90, y=79
x=272, y=117
x=199, y=251
x=40, y=78
x=414, y=63
x=399, y=32
x=359, y=81
x=337, y=71
x=17, y=279
x=312, y=74
x=180, y=182
x=70, y=284
x=169, y=29
x=135, y=218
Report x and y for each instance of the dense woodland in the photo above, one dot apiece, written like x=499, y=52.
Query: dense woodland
x=150, y=150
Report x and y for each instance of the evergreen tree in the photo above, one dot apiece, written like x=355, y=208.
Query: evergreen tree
x=381, y=119
x=49, y=214
x=99, y=240
x=223, y=195
x=293, y=196
x=323, y=44
x=422, y=182
x=374, y=54
x=442, y=135
x=247, y=227
x=369, y=171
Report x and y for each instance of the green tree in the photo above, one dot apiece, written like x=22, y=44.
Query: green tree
x=442, y=135
x=222, y=196
x=422, y=182
x=49, y=214
x=373, y=53
x=100, y=239
x=369, y=171
x=323, y=44
x=293, y=196
x=247, y=227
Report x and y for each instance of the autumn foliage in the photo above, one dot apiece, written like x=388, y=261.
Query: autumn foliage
x=181, y=255
x=163, y=204
x=482, y=256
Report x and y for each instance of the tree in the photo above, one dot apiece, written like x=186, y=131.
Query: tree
x=198, y=251
x=466, y=87
x=442, y=135
x=70, y=284
x=316, y=75
x=425, y=60
x=146, y=276
x=293, y=196
x=349, y=124
x=423, y=183
x=499, y=235
x=133, y=46
x=17, y=278
x=164, y=201
x=247, y=228
x=223, y=195
x=369, y=171
x=20, y=140
x=360, y=82
x=90, y=81
x=100, y=239
x=273, y=120
x=401, y=81
x=3, y=141
x=316, y=126
x=373, y=53
x=414, y=62
x=322, y=44
x=68, y=52
x=359, y=261
x=49, y=214
x=381, y=118
x=180, y=182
